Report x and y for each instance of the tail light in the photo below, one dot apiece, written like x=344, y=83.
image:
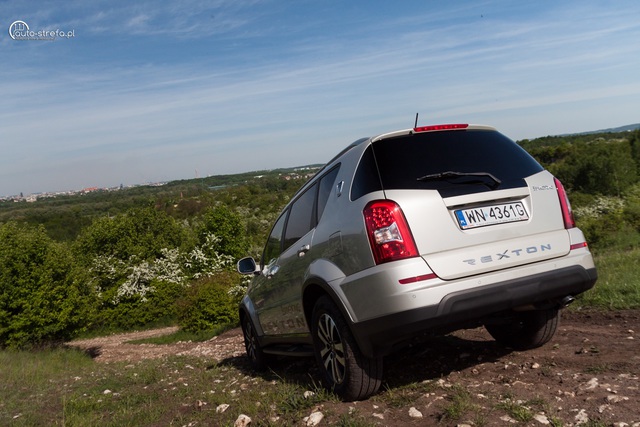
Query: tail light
x=388, y=231
x=567, y=214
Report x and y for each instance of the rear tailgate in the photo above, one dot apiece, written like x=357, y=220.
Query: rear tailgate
x=477, y=233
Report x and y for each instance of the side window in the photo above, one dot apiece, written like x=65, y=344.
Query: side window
x=274, y=244
x=326, y=186
x=366, y=179
x=301, y=218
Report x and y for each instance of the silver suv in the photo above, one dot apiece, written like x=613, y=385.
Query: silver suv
x=430, y=229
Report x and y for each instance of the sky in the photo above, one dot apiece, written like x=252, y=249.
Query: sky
x=150, y=91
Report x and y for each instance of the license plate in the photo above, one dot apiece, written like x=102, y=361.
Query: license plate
x=491, y=215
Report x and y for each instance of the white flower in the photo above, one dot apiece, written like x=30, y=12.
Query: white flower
x=173, y=266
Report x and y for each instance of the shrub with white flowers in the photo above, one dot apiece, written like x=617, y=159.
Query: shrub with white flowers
x=136, y=277
x=603, y=205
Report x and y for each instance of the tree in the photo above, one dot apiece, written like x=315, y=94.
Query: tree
x=40, y=299
x=139, y=232
x=227, y=226
x=603, y=167
x=634, y=142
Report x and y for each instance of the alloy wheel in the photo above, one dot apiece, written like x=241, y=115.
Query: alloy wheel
x=332, y=352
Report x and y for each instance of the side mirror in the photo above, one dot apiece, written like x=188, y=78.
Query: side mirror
x=247, y=266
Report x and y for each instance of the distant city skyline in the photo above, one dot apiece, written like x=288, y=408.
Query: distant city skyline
x=98, y=94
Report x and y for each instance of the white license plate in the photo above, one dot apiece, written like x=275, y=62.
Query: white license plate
x=491, y=215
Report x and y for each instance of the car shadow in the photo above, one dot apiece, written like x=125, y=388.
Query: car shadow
x=437, y=357
x=426, y=359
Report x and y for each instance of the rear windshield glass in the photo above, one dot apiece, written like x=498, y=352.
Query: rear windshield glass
x=480, y=160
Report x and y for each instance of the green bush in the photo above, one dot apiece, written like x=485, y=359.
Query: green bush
x=601, y=166
x=601, y=220
x=632, y=207
x=131, y=262
x=40, y=299
x=227, y=226
x=157, y=307
x=140, y=232
x=140, y=262
x=208, y=303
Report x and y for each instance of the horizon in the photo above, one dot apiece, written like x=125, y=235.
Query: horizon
x=632, y=127
x=127, y=94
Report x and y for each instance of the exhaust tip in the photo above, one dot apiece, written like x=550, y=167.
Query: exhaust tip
x=564, y=302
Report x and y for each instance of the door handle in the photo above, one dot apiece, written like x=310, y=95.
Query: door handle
x=303, y=250
x=272, y=271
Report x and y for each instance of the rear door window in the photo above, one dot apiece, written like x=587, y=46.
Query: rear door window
x=301, y=217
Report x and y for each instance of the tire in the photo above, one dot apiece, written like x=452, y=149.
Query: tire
x=256, y=356
x=344, y=369
x=526, y=330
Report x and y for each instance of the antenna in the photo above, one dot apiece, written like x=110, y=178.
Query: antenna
x=416, y=123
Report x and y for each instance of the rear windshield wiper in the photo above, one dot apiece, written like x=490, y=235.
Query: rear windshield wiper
x=443, y=176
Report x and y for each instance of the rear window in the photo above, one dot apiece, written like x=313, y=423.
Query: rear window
x=483, y=155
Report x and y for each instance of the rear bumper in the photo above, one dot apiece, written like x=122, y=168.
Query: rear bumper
x=376, y=337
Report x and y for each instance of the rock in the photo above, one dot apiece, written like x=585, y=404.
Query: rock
x=314, y=419
x=307, y=394
x=508, y=419
x=542, y=419
x=221, y=408
x=581, y=417
x=443, y=383
x=242, y=421
x=414, y=413
x=614, y=398
x=590, y=385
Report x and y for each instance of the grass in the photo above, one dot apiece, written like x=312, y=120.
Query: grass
x=598, y=369
x=66, y=387
x=29, y=377
x=517, y=411
x=460, y=404
x=618, y=285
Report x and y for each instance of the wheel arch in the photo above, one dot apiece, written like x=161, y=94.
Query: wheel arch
x=247, y=309
x=315, y=288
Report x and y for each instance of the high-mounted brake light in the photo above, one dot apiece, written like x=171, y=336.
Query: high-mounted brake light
x=440, y=127
x=567, y=214
x=389, y=234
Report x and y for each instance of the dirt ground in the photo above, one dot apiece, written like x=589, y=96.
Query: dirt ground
x=588, y=374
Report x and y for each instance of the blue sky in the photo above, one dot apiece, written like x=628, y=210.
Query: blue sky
x=152, y=91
